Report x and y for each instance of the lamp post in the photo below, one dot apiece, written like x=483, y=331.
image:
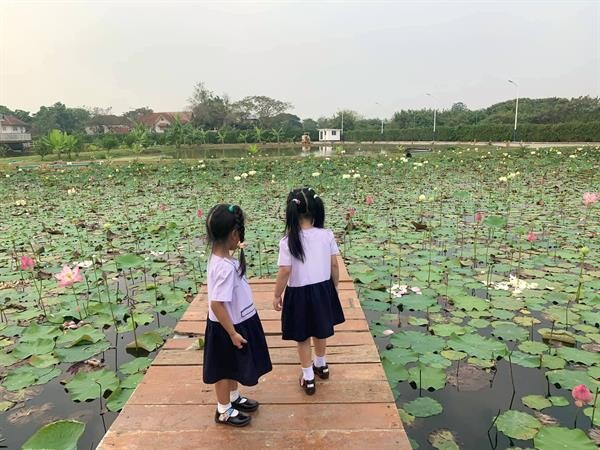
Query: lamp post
x=342, y=130
x=516, y=110
x=378, y=104
x=434, y=114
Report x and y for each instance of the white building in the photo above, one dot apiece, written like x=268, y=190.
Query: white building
x=14, y=132
x=330, y=134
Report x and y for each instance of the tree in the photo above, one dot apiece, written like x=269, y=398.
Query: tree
x=135, y=114
x=309, y=125
x=262, y=107
x=95, y=111
x=277, y=134
x=59, y=117
x=54, y=142
x=208, y=109
x=18, y=113
x=258, y=134
x=175, y=133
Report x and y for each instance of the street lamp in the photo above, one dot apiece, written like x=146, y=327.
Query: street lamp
x=434, y=114
x=377, y=103
x=516, y=110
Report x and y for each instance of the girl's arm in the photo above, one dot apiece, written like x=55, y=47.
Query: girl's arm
x=335, y=271
x=282, y=278
x=223, y=316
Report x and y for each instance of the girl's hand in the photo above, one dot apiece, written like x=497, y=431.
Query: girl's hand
x=277, y=303
x=238, y=340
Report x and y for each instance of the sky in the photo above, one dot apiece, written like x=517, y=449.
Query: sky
x=374, y=57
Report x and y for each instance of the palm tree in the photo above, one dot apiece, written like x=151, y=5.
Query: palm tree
x=222, y=134
x=70, y=143
x=277, y=134
x=55, y=141
x=175, y=133
x=258, y=134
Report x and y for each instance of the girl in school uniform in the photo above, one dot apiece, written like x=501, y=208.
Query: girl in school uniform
x=309, y=273
x=235, y=348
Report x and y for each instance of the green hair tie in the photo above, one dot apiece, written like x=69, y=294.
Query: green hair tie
x=231, y=208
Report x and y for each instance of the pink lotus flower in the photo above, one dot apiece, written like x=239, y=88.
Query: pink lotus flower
x=350, y=214
x=369, y=200
x=589, y=198
x=162, y=207
x=582, y=395
x=199, y=213
x=479, y=216
x=531, y=236
x=68, y=277
x=27, y=263
x=416, y=290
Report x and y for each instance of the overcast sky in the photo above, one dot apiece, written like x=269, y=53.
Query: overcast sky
x=373, y=57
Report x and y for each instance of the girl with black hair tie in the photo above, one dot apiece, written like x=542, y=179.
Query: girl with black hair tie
x=309, y=273
x=235, y=348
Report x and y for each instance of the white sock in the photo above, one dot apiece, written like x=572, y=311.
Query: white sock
x=308, y=373
x=320, y=361
x=233, y=395
x=223, y=408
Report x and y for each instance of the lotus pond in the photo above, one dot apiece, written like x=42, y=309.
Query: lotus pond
x=479, y=272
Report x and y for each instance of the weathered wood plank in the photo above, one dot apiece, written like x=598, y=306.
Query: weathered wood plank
x=269, y=326
x=286, y=355
x=254, y=438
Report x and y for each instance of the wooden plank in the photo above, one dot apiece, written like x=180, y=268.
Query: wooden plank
x=287, y=355
x=269, y=326
x=183, y=392
x=266, y=314
x=254, y=438
x=165, y=375
x=272, y=418
x=341, y=338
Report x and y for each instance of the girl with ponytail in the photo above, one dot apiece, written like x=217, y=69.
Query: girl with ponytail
x=309, y=273
x=235, y=348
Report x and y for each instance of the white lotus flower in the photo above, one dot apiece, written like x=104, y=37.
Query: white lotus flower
x=346, y=176
x=244, y=175
x=356, y=175
x=237, y=178
x=387, y=332
x=316, y=174
x=503, y=179
x=380, y=165
x=252, y=173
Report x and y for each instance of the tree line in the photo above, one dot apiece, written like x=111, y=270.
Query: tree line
x=216, y=118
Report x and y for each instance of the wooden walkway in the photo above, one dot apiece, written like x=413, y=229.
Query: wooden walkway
x=172, y=409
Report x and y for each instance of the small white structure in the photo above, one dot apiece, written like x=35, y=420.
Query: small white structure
x=330, y=134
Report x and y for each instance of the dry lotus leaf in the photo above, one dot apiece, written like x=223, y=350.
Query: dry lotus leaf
x=470, y=378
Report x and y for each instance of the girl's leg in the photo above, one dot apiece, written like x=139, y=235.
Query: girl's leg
x=233, y=390
x=304, y=352
x=320, y=347
x=307, y=382
x=222, y=389
x=320, y=364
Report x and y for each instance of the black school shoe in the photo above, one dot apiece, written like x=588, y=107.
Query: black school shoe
x=308, y=385
x=240, y=420
x=245, y=404
x=322, y=372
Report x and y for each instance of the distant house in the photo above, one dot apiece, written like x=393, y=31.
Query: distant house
x=160, y=121
x=14, y=132
x=330, y=134
x=108, y=124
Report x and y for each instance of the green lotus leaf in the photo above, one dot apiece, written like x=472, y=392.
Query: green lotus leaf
x=518, y=425
x=91, y=385
x=136, y=365
x=62, y=434
x=560, y=438
x=538, y=402
x=423, y=407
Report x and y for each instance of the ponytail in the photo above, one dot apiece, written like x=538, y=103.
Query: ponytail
x=292, y=225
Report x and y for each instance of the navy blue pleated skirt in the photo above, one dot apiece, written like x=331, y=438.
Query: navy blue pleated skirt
x=222, y=360
x=310, y=311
